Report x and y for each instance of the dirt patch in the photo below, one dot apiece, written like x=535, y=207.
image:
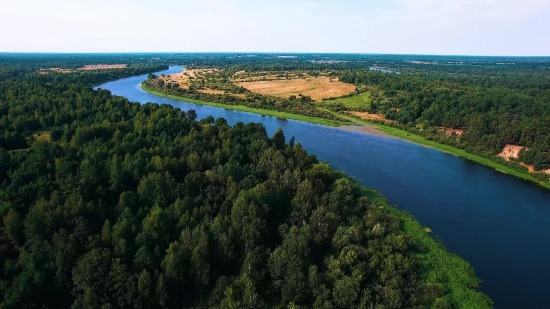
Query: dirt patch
x=211, y=91
x=239, y=73
x=318, y=88
x=184, y=78
x=367, y=116
x=103, y=66
x=450, y=131
x=510, y=152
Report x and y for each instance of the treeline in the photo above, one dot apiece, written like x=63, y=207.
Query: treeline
x=141, y=206
x=491, y=116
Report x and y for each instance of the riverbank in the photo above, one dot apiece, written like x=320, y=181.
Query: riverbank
x=366, y=127
x=441, y=269
x=242, y=108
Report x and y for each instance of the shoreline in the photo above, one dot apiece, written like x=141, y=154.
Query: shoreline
x=369, y=128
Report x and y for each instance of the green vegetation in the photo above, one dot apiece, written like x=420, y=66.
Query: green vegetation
x=354, y=102
x=436, y=261
x=503, y=166
x=243, y=108
x=143, y=206
x=492, y=104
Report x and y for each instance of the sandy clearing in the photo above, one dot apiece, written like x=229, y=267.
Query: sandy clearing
x=318, y=88
x=184, y=78
x=367, y=116
x=211, y=91
x=510, y=152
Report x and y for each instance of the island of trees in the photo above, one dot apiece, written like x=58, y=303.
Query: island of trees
x=111, y=204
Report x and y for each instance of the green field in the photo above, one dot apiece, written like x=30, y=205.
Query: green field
x=356, y=101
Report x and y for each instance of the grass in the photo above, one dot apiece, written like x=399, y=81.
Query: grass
x=438, y=266
x=361, y=100
x=42, y=136
x=318, y=88
x=242, y=108
x=460, y=153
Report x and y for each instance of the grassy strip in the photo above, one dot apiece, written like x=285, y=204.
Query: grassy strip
x=438, y=266
x=242, y=108
x=447, y=149
x=460, y=153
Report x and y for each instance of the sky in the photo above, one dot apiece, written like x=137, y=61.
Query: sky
x=437, y=27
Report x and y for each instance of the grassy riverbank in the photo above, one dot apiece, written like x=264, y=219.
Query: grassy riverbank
x=242, y=108
x=460, y=153
x=441, y=269
x=383, y=128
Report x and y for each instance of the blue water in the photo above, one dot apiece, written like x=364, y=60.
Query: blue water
x=498, y=223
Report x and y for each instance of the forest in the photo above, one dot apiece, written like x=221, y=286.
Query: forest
x=107, y=203
x=494, y=101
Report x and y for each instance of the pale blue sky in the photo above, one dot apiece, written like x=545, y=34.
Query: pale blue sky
x=459, y=27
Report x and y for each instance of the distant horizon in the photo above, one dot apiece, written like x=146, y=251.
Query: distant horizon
x=268, y=53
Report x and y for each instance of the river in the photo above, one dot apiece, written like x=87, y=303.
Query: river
x=498, y=223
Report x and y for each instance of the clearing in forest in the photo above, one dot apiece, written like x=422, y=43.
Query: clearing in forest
x=361, y=100
x=43, y=136
x=184, y=78
x=512, y=152
x=316, y=87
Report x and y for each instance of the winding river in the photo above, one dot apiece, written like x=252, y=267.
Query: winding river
x=498, y=223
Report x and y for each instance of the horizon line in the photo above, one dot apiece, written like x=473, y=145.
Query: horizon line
x=276, y=53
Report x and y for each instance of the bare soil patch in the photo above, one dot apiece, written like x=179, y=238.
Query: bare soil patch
x=367, y=116
x=512, y=152
x=211, y=91
x=184, y=78
x=318, y=88
x=450, y=131
x=103, y=66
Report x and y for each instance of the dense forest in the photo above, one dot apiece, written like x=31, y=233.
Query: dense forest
x=111, y=204
x=509, y=108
